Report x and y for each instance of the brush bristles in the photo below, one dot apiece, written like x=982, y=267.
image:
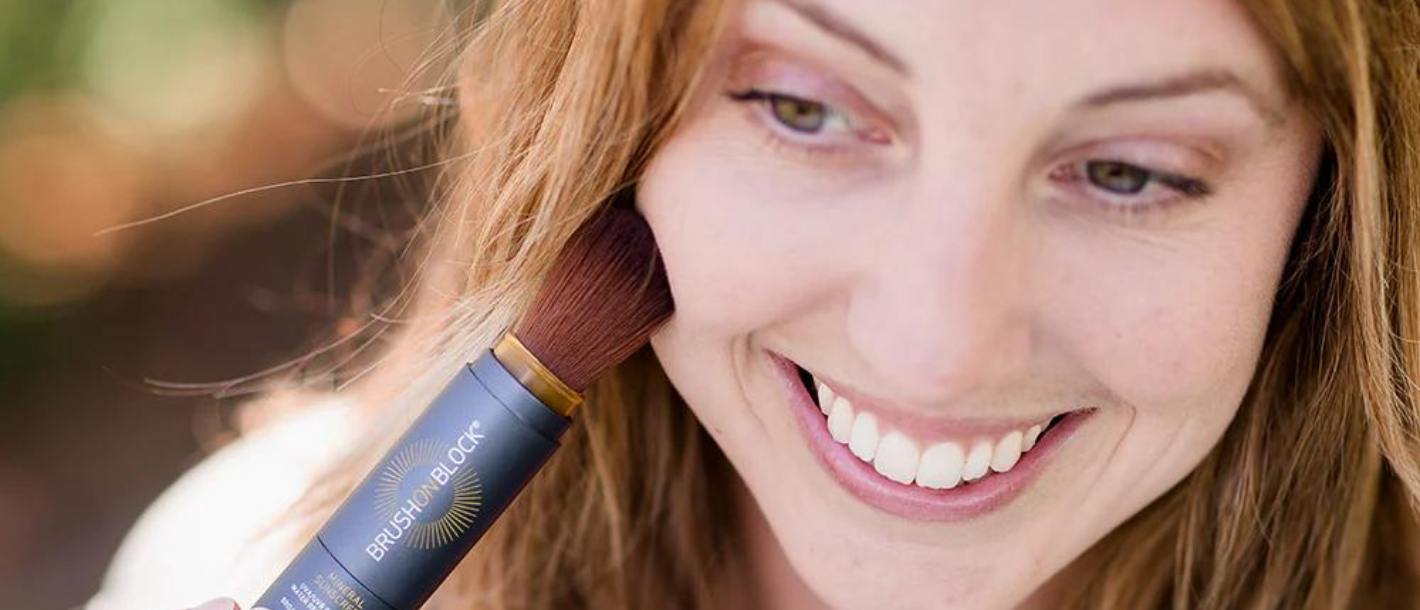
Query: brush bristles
x=601, y=301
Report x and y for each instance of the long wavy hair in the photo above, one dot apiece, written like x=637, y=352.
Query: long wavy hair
x=1309, y=501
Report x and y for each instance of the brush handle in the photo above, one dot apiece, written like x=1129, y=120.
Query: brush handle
x=422, y=508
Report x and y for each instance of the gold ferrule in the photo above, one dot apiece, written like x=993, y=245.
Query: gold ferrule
x=530, y=372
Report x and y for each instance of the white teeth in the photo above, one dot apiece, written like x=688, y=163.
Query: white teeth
x=1031, y=436
x=899, y=457
x=896, y=458
x=863, y=440
x=840, y=420
x=977, y=462
x=940, y=466
x=1008, y=452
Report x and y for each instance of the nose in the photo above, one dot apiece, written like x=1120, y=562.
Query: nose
x=942, y=310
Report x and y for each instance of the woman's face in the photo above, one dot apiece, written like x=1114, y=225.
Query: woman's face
x=971, y=220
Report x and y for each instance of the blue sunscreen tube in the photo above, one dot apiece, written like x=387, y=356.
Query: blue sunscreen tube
x=422, y=508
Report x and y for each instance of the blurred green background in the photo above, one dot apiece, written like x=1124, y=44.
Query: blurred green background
x=117, y=111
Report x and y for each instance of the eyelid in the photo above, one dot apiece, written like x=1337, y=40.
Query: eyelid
x=780, y=139
x=1163, y=154
x=1164, y=192
x=763, y=100
x=767, y=71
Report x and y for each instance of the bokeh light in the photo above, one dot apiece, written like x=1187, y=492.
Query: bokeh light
x=336, y=70
x=175, y=66
x=149, y=107
x=157, y=225
x=63, y=177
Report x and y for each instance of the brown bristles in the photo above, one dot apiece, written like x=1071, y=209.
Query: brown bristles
x=601, y=301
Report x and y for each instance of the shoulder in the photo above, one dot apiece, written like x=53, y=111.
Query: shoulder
x=213, y=532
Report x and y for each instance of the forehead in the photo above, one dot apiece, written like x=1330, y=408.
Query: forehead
x=1050, y=48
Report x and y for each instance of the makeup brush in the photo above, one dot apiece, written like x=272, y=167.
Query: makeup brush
x=423, y=507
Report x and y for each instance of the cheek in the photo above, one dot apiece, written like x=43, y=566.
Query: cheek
x=1184, y=319
x=1175, y=336
x=1173, y=328
x=739, y=253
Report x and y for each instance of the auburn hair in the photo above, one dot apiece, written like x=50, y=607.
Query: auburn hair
x=1308, y=502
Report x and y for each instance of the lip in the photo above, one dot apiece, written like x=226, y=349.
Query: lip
x=925, y=426
x=965, y=501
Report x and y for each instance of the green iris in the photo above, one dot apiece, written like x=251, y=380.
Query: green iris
x=1117, y=177
x=797, y=114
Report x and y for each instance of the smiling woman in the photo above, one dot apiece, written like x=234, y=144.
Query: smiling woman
x=1080, y=304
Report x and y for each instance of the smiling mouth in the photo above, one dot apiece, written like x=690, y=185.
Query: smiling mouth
x=943, y=464
x=972, y=467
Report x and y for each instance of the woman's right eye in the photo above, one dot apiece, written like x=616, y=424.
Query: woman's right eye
x=796, y=113
x=805, y=126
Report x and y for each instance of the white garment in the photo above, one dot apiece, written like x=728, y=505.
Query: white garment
x=215, y=532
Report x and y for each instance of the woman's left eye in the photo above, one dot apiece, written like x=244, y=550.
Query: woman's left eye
x=1116, y=177
x=1129, y=188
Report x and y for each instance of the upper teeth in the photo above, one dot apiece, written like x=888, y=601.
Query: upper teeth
x=895, y=455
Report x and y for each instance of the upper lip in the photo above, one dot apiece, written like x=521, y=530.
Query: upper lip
x=928, y=426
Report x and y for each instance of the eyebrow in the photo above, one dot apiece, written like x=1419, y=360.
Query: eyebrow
x=840, y=28
x=1206, y=80
x=1191, y=83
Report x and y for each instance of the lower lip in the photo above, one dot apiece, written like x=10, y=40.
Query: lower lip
x=965, y=501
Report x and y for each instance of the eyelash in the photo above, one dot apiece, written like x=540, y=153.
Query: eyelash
x=1182, y=187
x=777, y=140
x=1128, y=205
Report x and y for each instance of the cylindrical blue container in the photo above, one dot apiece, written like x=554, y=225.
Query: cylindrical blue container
x=411, y=520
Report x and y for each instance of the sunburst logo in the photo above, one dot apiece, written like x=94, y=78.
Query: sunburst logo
x=428, y=494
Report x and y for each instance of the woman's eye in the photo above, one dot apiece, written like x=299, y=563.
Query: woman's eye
x=809, y=128
x=1117, y=177
x=799, y=115
x=1126, y=187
